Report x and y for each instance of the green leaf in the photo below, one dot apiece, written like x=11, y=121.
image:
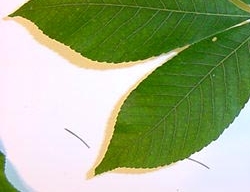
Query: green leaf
x=184, y=104
x=5, y=186
x=241, y=5
x=128, y=30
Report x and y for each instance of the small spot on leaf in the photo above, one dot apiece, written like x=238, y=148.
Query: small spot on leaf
x=214, y=39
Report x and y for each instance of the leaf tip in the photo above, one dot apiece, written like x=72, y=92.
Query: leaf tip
x=102, y=168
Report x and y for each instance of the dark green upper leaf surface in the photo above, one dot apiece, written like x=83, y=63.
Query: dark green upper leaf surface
x=125, y=30
x=5, y=186
x=184, y=104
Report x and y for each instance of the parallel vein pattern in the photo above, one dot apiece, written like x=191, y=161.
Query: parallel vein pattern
x=183, y=105
x=121, y=30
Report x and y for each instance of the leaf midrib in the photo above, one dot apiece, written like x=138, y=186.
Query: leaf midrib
x=197, y=85
x=174, y=108
x=136, y=7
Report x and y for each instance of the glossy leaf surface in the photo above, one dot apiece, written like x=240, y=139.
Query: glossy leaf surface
x=183, y=105
x=125, y=30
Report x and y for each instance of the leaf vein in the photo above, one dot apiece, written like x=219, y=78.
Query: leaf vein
x=208, y=75
x=61, y=5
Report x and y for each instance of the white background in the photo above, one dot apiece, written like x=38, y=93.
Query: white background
x=45, y=87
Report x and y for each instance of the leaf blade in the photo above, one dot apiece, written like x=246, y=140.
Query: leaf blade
x=5, y=184
x=183, y=105
x=117, y=31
